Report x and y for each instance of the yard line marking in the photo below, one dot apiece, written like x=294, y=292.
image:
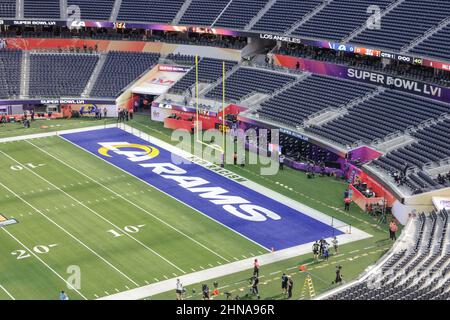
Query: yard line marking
x=130, y=202
x=68, y=233
x=44, y=263
x=272, y=273
x=6, y=291
x=94, y=212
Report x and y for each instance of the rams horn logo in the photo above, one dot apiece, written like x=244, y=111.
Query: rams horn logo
x=144, y=152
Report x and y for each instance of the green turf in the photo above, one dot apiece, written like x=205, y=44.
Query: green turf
x=87, y=210
x=41, y=126
x=86, y=197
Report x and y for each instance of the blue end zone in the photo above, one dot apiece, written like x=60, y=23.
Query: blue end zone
x=289, y=228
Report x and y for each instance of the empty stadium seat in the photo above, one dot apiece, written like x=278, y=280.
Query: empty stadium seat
x=120, y=69
x=94, y=10
x=7, y=8
x=60, y=75
x=44, y=9
x=149, y=10
x=10, y=68
x=247, y=80
x=315, y=93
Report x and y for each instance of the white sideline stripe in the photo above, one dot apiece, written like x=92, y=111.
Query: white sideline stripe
x=220, y=271
x=55, y=133
x=45, y=264
x=71, y=235
x=94, y=212
x=6, y=291
x=169, y=195
x=127, y=200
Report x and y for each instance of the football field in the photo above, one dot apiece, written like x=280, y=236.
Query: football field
x=90, y=226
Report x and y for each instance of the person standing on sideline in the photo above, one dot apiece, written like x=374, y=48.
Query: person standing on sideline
x=255, y=283
x=284, y=283
x=338, y=275
x=347, y=204
x=290, y=287
x=326, y=253
x=281, y=162
x=179, y=290
x=316, y=248
x=335, y=245
x=63, y=296
x=256, y=268
x=392, y=230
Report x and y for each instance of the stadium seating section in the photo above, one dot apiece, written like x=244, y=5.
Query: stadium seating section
x=417, y=270
x=149, y=10
x=60, y=75
x=283, y=14
x=44, y=9
x=384, y=114
x=7, y=8
x=93, y=10
x=246, y=81
x=120, y=69
x=10, y=68
x=310, y=96
x=402, y=23
x=209, y=70
x=409, y=20
x=338, y=19
x=438, y=45
x=239, y=13
x=203, y=13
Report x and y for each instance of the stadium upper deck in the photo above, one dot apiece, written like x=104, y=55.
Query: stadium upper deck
x=340, y=21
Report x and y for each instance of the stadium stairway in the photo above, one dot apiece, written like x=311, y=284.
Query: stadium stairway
x=19, y=9
x=219, y=81
x=181, y=12
x=319, y=118
x=25, y=75
x=363, y=27
x=261, y=13
x=93, y=79
x=63, y=9
x=430, y=33
x=115, y=10
x=308, y=16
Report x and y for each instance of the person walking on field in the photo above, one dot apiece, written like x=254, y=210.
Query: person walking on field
x=284, y=283
x=179, y=290
x=256, y=268
x=290, y=287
